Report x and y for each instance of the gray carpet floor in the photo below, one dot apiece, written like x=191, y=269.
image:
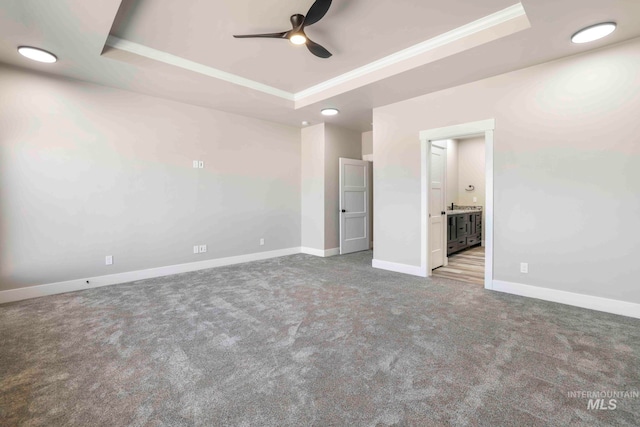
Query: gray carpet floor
x=299, y=341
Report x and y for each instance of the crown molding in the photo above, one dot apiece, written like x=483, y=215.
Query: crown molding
x=196, y=67
x=515, y=13
x=486, y=23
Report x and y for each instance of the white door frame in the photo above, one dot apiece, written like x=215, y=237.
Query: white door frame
x=487, y=128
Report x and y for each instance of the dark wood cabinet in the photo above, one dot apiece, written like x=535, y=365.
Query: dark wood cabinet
x=463, y=230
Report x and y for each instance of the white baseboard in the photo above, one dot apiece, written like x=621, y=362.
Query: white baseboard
x=622, y=308
x=320, y=252
x=114, y=279
x=399, y=268
x=332, y=252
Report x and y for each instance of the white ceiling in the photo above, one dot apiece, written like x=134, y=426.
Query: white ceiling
x=185, y=51
x=357, y=32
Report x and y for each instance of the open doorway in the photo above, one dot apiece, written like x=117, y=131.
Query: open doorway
x=457, y=208
x=460, y=165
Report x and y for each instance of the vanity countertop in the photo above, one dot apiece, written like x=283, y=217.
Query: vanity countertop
x=462, y=211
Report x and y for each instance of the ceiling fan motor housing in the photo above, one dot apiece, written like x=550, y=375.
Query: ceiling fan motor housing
x=297, y=20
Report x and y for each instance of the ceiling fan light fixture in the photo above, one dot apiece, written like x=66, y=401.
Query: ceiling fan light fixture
x=36, y=54
x=594, y=32
x=330, y=112
x=298, y=39
x=296, y=34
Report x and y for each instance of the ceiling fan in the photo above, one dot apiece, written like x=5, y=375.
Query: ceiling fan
x=299, y=22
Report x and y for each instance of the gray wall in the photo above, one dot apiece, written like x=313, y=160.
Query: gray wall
x=88, y=171
x=367, y=143
x=313, y=202
x=567, y=168
x=471, y=171
x=339, y=142
x=322, y=146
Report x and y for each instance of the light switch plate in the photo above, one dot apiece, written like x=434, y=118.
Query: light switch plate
x=196, y=249
x=108, y=260
x=524, y=267
x=261, y=242
x=195, y=164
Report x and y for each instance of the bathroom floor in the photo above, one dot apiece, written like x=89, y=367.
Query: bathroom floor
x=466, y=266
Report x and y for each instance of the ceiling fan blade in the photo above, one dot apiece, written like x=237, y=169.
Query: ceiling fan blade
x=281, y=35
x=317, y=12
x=317, y=50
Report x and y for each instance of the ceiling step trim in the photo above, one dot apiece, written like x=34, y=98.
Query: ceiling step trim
x=365, y=72
x=167, y=58
x=512, y=12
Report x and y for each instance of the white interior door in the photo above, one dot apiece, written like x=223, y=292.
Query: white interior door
x=354, y=205
x=437, y=214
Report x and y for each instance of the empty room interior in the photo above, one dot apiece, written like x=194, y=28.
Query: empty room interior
x=319, y=213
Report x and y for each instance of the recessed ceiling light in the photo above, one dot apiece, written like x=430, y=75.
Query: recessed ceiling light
x=36, y=54
x=330, y=112
x=594, y=32
x=305, y=123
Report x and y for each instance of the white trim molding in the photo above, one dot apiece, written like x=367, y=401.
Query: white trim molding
x=196, y=67
x=399, y=268
x=458, y=131
x=512, y=14
x=320, y=252
x=131, y=276
x=488, y=28
x=332, y=252
x=487, y=128
x=622, y=308
x=487, y=242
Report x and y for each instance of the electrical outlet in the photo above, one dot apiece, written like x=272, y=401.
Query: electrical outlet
x=524, y=267
x=108, y=260
x=261, y=242
x=203, y=249
x=475, y=199
x=196, y=249
x=201, y=164
x=195, y=164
